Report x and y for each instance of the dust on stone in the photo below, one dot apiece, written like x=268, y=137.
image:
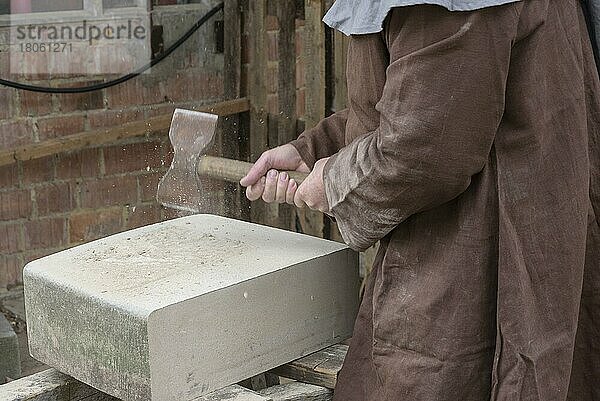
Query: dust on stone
x=155, y=256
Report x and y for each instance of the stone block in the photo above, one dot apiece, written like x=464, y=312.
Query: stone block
x=178, y=309
x=10, y=361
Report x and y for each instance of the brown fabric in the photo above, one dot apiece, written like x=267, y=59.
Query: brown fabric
x=472, y=152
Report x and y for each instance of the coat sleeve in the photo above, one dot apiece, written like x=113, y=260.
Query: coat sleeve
x=325, y=139
x=441, y=107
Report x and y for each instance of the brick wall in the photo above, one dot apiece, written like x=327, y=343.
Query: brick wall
x=272, y=26
x=59, y=201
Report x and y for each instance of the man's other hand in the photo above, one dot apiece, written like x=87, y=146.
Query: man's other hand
x=311, y=192
x=266, y=182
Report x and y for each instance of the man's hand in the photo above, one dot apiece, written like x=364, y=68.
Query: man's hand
x=311, y=192
x=264, y=180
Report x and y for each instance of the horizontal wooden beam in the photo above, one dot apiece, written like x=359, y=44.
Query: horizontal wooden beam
x=104, y=136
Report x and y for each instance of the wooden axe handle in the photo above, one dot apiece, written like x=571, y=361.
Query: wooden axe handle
x=232, y=170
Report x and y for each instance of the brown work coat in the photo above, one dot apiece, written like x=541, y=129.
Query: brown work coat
x=470, y=148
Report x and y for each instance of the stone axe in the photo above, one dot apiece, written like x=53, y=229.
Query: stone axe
x=191, y=134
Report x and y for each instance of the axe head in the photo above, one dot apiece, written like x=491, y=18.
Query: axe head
x=191, y=134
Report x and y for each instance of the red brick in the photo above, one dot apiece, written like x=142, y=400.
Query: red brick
x=55, y=198
x=167, y=155
x=160, y=109
x=35, y=104
x=95, y=224
x=37, y=254
x=193, y=85
x=169, y=214
x=11, y=238
x=143, y=215
x=38, y=170
x=9, y=176
x=113, y=118
x=55, y=127
x=68, y=102
x=15, y=133
x=45, y=233
x=15, y=204
x=137, y=91
x=11, y=271
x=148, y=186
x=132, y=157
x=85, y=163
x=109, y=192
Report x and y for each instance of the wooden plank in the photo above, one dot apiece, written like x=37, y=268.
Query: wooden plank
x=320, y=368
x=314, y=62
x=230, y=129
x=340, y=46
x=286, y=90
x=298, y=392
x=234, y=393
x=108, y=135
x=257, y=93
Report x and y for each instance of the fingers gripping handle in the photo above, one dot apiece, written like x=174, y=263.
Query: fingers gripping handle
x=232, y=170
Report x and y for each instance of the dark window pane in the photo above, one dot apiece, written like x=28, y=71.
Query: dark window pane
x=38, y=6
x=4, y=7
x=118, y=3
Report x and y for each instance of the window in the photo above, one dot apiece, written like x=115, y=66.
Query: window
x=94, y=7
x=91, y=37
x=38, y=6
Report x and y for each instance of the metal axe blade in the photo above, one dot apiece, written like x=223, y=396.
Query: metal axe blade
x=191, y=134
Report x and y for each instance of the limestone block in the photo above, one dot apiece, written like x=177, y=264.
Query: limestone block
x=10, y=361
x=178, y=309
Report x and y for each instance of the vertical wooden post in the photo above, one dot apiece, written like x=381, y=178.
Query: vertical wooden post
x=340, y=96
x=340, y=48
x=286, y=14
x=230, y=140
x=257, y=93
x=314, y=62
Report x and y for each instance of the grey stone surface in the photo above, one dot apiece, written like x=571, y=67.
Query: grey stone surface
x=185, y=307
x=10, y=362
